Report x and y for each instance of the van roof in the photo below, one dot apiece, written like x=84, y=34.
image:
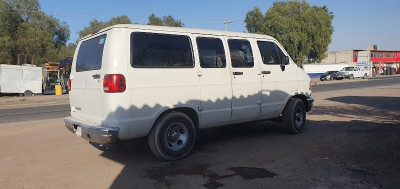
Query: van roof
x=184, y=30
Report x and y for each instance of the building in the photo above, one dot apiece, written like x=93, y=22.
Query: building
x=378, y=61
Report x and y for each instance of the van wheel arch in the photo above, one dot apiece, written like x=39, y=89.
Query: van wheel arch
x=188, y=111
x=301, y=97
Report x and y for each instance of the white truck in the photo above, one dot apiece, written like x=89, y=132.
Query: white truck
x=352, y=72
x=25, y=79
x=165, y=83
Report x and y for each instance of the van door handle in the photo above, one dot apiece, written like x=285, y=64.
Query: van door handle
x=96, y=76
x=265, y=72
x=237, y=73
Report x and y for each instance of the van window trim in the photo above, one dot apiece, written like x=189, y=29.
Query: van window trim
x=162, y=67
x=223, y=46
x=276, y=47
x=88, y=39
x=229, y=50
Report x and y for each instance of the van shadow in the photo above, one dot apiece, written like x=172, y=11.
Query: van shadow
x=355, y=149
x=380, y=102
x=375, y=108
x=139, y=162
x=260, y=145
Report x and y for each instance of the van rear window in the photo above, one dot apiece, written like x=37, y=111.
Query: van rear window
x=152, y=50
x=90, y=54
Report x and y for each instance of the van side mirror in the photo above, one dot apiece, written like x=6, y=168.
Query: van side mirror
x=285, y=60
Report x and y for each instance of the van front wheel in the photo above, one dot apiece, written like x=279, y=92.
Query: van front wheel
x=294, y=116
x=172, y=137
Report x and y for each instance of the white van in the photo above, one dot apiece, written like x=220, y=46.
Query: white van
x=131, y=81
x=353, y=72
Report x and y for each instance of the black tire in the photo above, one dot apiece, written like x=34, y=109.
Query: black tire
x=294, y=116
x=28, y=93
x=351, y=76
x=365, y=76
x=172, y=137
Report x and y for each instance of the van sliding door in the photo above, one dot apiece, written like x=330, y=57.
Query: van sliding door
x=246, y=84
x=215, y=82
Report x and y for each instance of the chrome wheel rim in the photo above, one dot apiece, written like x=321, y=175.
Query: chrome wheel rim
x=176, y=136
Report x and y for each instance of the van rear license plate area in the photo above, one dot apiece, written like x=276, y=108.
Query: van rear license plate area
x=78, y=131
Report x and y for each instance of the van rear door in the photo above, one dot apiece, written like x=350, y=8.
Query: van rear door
x=86, y=80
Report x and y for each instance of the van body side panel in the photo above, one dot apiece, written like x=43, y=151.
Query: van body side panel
x=154, y=90
x=246, y=86
x=215, y=81
x=277, y=82
x=117, y=106
x=304, y=83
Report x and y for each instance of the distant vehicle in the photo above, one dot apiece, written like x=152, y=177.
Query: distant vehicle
x=24, y=80
x=353, y=72
x=331, y=75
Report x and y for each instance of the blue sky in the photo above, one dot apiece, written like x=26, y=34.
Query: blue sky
x=357, y=23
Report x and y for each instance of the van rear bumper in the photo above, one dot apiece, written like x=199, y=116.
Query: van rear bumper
x=97, y=134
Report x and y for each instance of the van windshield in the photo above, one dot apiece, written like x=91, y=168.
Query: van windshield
x=90, y=54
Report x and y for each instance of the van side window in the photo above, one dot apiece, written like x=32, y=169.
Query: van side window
x=90, y=54
x=241, y=53
x=211, y=52
x=280, y=52
x=152, y=50
x=269, y=53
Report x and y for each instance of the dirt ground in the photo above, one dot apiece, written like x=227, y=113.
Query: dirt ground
x=352, y=140
x=15, y=101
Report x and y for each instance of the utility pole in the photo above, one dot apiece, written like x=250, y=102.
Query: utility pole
x=226, y=24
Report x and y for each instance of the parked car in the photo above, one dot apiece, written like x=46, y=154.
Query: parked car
x=331, y=75
x=353, y=72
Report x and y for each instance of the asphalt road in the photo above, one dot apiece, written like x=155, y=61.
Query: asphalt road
x=372, y=82
x=33, y=113
x=60, y=111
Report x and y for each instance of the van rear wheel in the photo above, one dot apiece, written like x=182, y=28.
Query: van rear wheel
x=294, y=116
x=172, y=137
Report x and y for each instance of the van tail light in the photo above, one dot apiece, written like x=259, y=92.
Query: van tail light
x=114, y=83
x=69, y=85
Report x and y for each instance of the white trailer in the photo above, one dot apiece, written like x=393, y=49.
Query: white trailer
x=26, y=79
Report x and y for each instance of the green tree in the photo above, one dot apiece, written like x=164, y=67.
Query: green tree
x=155, y=21
x=25, y=29
x=305, y=31
x=165, y=21
x=96, y=25
x=255, y=21
x=9, y=23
